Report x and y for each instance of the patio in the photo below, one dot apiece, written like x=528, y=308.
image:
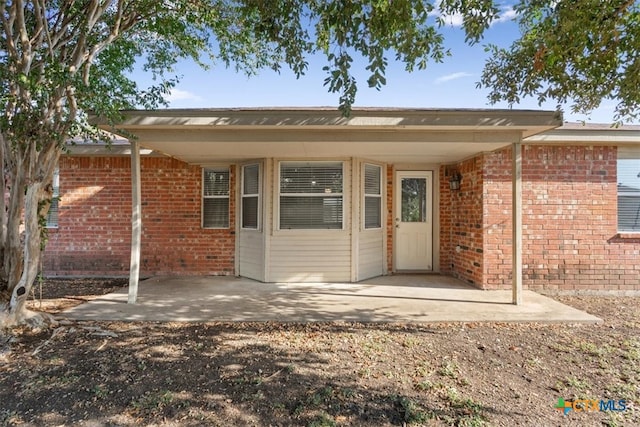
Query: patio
x=399, y=298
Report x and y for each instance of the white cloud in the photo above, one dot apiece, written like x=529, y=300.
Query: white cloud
x=182, y=95
x=452, y=76
x=507, y=15
x=456, y=20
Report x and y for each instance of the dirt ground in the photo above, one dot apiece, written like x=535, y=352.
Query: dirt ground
x=327, y=374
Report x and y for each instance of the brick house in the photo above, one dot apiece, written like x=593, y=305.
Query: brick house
x=282, y=195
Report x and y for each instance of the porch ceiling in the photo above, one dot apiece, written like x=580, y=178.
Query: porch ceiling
x=389, y=135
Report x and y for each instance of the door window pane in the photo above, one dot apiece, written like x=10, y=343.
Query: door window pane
x=414, y=200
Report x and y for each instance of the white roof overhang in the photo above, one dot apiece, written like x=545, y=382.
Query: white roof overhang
x=588, y=134
x=390, y=135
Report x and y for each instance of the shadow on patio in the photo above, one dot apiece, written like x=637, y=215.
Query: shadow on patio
x=400, y=298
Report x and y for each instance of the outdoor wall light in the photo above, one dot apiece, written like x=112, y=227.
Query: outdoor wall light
x=455, y=180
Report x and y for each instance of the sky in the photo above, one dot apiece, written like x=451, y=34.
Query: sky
x=451, y=84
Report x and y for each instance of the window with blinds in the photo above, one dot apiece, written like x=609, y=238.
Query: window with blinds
x=52, y=215
x=251, y=196
x=628, y=191
x=215, y=198
x=372, y=190
x=311, y=195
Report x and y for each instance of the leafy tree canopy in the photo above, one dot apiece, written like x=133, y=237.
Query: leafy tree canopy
x=574, y=52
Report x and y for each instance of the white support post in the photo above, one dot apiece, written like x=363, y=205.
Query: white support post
x=136, y=222
x=516, y=209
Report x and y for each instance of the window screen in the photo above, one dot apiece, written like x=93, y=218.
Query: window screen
x=311, y=195
x=628, y=192
x=52, y=215
x=250, y=196
x=372, y=196
x=215, y=198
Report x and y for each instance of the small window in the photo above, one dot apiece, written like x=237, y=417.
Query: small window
x=52, y=215
x=372, y=196
x=251, y=196
x=311, y=195
x=628, y=192
x=215, y=198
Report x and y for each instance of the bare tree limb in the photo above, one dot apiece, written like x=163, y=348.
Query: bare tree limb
x=7, y=25
x=23, y=34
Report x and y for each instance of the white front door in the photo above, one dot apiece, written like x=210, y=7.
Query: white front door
x=414, y=220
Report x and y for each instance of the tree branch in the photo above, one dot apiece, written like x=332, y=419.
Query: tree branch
x=42, y=18
x=64, y=19
x=8, y=30
x=122, y=23
x=40, y=24
x=23, y=35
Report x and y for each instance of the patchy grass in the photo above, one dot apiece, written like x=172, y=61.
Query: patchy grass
x=330, y=374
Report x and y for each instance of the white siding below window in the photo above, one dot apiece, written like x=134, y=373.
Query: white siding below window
x=371, y=254
x=251, y=254
x=315, y=257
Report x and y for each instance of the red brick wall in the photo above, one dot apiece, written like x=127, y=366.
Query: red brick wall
x=445, y=218
x=570, y=239
x=461, y=235
x=497, y=264
x=390, y=218
x=94, y=233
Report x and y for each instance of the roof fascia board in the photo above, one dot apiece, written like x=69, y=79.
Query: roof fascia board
x=323, y=118
x=586, y=136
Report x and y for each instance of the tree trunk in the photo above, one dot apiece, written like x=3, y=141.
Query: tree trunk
x=3, y=208
x=23, y=245
x=12, y=268
x=32, y=251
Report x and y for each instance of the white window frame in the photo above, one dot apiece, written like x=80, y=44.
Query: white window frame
x=55, y=201
x=257, y=196
x=628, y=179
x=366, y=195
x=279, y=195
x=227, y=197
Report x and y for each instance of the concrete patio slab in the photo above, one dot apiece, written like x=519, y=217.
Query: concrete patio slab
x=399, y=298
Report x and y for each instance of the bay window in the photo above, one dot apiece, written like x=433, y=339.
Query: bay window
x=372, y=190
x=311, y=195
x=251, y=196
